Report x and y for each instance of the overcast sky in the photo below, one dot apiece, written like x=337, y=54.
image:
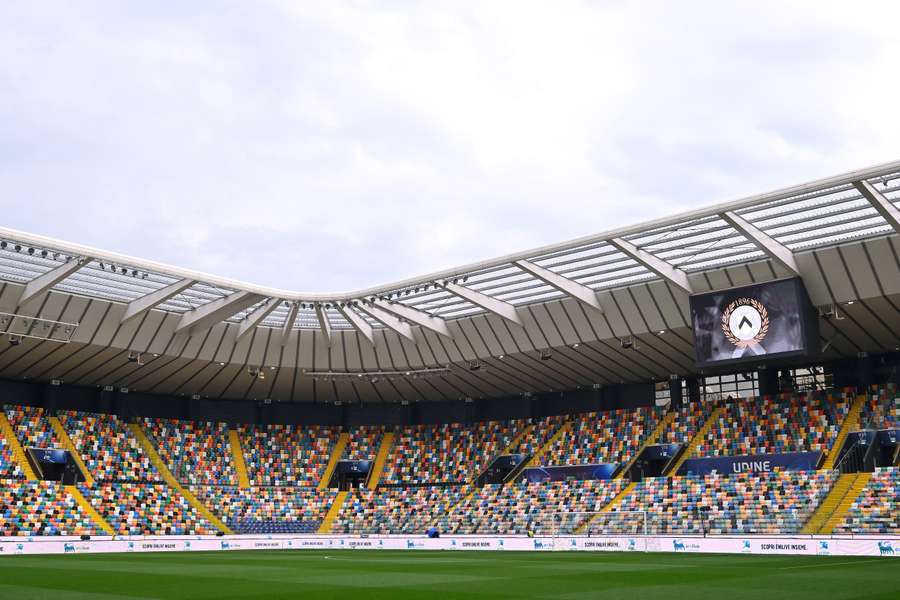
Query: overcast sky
x=328, y=146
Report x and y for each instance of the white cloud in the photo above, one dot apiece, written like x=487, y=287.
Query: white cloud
x=337, y=146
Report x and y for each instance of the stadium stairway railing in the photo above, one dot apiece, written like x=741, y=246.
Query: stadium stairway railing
x=661, y=426
x=336, y=453
x=89, y=510
x=66, y=441
x=384, y=451
x=851, y=423
x=539, y=454
x=173, y=483
x=12, y=441
x=237, y=459
x=611, y=505
x=834, y=507
x=695, y=441
x=332, y=513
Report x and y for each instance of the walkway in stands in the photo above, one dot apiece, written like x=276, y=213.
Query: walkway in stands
x=237, y=459
x=336, y=454
x=384, y=451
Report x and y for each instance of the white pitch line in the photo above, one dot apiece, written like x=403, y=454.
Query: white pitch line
x=832, y=564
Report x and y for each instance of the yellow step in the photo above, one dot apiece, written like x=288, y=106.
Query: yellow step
x=563, y=429
x=611, y=505
x=695, y=441
x=384, y=451
x=336, y=453
x=63, y=436
x=851, y=423
x=173, y=483
x=90, y=510
x=661, y=426
x=861, y=480
x=332, y=513
x=237, y=459
x=829, y=505
x=12, y=441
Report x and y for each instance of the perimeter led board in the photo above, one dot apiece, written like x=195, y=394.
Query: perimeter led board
x=754, y=324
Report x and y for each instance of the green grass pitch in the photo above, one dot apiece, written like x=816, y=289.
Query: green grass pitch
x=436, y=575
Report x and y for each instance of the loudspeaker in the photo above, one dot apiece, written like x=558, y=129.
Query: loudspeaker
x=219, y=534
x=85, y=537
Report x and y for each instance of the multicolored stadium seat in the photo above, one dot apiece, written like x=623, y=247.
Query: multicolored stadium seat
x=524, y=507
x=763, y=503
x=396, y=509
x=689, y=418
x=542, y=430
x=449, y=453
x=9, y=468
x=267, y=510
x=607, y=437
x=143, y=509
x=108, y=448
x=882, y=409
x=286, y=455
x=195, y=452
x=40, y=508
x=363, y=443
x=877, y=509
x=776, y=425
x=32, y=429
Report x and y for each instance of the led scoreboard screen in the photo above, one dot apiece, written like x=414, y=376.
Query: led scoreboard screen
x=755, y=323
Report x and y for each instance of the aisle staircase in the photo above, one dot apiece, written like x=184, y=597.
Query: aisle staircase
x=661, y=426
x=336, y=453
x=90, y=510
x=9, y=434
x=237, y=459
x=173, y=483
x=695, y=441
x=512, y=444
x=831, y=512
x=539, y=454
x=609, y=506
x=850, y=424
x=332, y=513
x=384, y=451
x=63, y=436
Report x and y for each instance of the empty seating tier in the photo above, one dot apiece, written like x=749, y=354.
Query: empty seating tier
x=877, y=509
x=30, y=508
x=196, y=453
x=267, y=510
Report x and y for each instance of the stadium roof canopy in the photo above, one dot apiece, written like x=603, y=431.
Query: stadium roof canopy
x=606, y=308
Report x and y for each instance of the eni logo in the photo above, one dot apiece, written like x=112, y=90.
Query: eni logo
x=745, y=322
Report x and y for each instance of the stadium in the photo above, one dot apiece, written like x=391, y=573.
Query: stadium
x=718, y=388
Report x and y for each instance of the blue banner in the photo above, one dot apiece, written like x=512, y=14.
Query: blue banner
x=350, y=467
x=54, y=455
x=661, y=451
x=564, y=473
x=755, y=463
x=889, y=437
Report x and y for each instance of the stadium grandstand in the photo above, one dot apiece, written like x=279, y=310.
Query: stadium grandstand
x=731, y=371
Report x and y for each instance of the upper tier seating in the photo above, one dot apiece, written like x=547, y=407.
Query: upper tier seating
x=286, y=455
x=40, y=508
x=877, y=509
x=9, y=468
x=267, y=510
x=145, y=509
x=31, y=427
x=607, y=437
x=881, y=410
x=108, y=448
x=776, y=425
x=688, y=421
x=544, y=508
x=195, y=452
x=542, y=430
x=396, y=510
x=363, y=443
x=451, y=453
x=762, y=503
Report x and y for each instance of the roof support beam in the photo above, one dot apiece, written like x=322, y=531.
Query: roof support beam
x=389, y=320
x=257, y=317
x=769, y=245
x=146, y=302
x=324, y=325
x=655, y=264
x=884, y=206
x=418, y=317
x=213, y=312
x=42, y=283
x=502, y=309
x=289, y=322
x=570, y=288
x=360, y=324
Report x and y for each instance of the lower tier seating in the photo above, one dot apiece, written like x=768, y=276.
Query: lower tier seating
x=267, y=510
x=396, y=510
x=40, y=508
x=765, y=503
x=145, y=509
x=877, y=509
